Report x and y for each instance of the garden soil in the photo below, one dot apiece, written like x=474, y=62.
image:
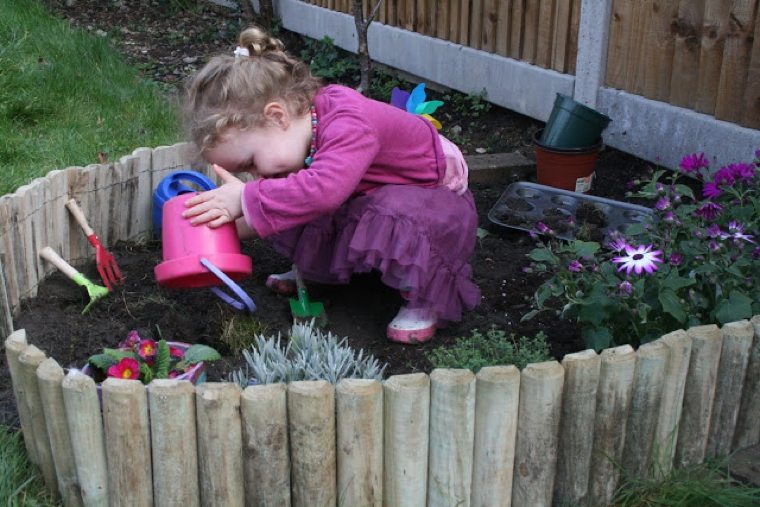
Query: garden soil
x=359, y=311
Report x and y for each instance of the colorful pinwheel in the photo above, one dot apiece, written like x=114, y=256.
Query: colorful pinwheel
x=415, y=103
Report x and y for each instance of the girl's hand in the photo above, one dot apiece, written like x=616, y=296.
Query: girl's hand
x=218, y=206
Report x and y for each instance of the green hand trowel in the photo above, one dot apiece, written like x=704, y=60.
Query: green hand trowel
x=95, y=292
x=303, y=309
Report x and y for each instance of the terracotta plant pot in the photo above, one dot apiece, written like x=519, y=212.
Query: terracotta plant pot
x=569, y=169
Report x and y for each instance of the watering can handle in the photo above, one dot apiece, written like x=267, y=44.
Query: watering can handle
x=75, y=210
x=243, y=301
x=51, y=256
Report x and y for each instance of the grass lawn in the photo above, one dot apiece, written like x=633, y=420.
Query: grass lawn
x=66, y=96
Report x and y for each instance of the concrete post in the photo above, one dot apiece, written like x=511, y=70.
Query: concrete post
x=591, y=61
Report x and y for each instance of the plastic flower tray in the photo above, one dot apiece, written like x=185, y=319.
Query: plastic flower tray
x=525, y=204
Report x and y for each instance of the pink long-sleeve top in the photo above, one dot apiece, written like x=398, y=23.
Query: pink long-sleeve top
x=361, y=145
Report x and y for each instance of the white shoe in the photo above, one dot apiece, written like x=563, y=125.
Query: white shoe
x=412, y=325
x=283, y=284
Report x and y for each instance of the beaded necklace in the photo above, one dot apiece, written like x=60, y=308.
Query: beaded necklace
x=313, y=148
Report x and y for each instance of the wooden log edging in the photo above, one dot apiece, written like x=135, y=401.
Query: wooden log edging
x=496, y=438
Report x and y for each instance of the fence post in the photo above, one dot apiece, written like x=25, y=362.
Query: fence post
x=29, y=360
x=49, y=377
x=80, y=397
x=15, y=344
x=537, y=433
x=311, y=428
x=649, y=376
x=452, y=427
x=737, y=340
x=575, y=440
x=747, y=426
x=220, y=443
x=173, y=443
x=698, y=395
x=266, y=453
x=666, y=434
x=613, y=398
x=591, y=61
x=359, y=436
x=127, y=432
x=497, y=392
x=406, y=419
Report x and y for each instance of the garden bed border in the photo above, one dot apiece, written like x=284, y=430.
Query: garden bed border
x=552, y=432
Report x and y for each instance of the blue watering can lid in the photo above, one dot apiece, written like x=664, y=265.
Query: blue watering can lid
x=172, y=185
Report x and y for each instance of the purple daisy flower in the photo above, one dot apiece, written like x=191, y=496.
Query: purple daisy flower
x=714, y=231
x=711, y=190
x=709, y=211
x=626, y=288
x=743, y=172
x=675, y=259
x=575, y=266
x=693, y=163
x=639, y=259
x=662, y=204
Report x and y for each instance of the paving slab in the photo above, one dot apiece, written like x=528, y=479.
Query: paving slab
x=499, y=167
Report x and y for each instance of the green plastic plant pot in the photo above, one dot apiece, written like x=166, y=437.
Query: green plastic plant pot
x=573, y=125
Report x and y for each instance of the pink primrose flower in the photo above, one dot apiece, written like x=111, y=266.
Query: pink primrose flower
x=147, y=349
x=127, y=368
x=133, y=338
x=176, y=352
x=639, y=259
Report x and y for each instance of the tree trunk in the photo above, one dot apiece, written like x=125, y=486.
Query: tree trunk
x=362, y=26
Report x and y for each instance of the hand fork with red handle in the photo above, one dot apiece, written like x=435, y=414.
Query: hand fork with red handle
x=107, y=267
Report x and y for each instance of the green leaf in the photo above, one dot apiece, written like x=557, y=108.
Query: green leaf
x=594, y=314
x=635, y=229
x=684, y=190
x=543, y=255
x=542, y=294
x=585, y=248
x=199, y=352
x=675, y=282
x=163, y=359
x=597, y=338
x=737, y=307
x=102, y=361
x=118, y=354
x=146, y=373
x=671, y=304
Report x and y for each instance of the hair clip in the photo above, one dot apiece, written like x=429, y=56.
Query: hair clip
x=240, y=51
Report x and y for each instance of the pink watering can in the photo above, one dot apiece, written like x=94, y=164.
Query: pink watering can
x=199, y=256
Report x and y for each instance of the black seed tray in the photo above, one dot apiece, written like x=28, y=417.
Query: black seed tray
x=524, y=204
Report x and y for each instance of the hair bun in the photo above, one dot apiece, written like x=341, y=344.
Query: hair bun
x=257, y=41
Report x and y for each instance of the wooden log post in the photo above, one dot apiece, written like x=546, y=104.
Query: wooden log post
x=537, y=433
x=220, y=444
x=49, y=378
x=497, y=396
x=127, y=436
x=747, y=425
x=452, y=435
x=698, y=394
x=15, y=345
x=311, y=428
x=734, y=356
x=359, y=437
x=646, y=397
x=613, y=399
x=173, y=443
x=29, y=360
x=406, y=418
x=80, y=396
x=575, y=440
x=266, y=454
x=666, y=434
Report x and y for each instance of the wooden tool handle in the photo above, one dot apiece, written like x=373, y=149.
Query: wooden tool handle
x=75, y=210
x=51, y=256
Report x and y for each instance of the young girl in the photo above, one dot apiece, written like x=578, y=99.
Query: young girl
x=342, y=183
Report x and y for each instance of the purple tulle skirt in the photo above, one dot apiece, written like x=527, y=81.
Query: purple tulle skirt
x=419, y=239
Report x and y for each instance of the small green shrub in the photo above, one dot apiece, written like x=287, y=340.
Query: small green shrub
x=240, y=332
x=493, y=348
x=328, y=61
x=309, y=354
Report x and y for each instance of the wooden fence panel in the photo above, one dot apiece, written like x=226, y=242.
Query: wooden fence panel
x=477, y=24
x=561, y=34
x=714, y=29
x=737, y=52
x=58, y=225
x=15, y=344
x=530, y=31
x=464, y=22
x=619, y=50
x=7, y=246
x=546, y=29
x=425, y=21
x=517, y=21
x=572, y=44
x=78, y=181
x=23, y=206
x=686, y=49
x=751, y=116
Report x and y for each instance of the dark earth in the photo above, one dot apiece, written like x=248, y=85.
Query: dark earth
x=167, y=45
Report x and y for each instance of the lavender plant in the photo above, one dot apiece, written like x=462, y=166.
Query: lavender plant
x=309, y=354
x=695, y=262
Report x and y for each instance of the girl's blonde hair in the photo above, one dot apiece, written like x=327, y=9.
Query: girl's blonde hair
x=231, y=91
